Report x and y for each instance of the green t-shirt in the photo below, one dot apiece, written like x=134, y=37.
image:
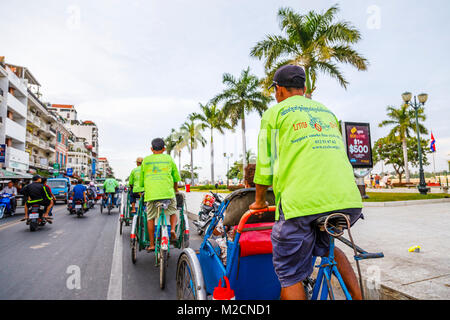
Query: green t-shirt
x=134, y=180
x=302, y=155
x=110, y=185
x=158, y=175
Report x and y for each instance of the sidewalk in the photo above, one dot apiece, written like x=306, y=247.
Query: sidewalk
x=393, y=230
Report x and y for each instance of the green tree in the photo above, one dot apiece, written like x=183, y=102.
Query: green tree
x=242, y=96
x=212, y=118
x=186, y=173
x=192, y=134
x=179, y=137
x=314, y=41
x=170, y=142
x=403, y=121
x=390, y=151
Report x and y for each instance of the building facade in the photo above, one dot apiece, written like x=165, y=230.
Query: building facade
x=13, y=116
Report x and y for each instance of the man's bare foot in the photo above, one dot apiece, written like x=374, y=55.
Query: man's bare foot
x=173, y=235
x=150, y=248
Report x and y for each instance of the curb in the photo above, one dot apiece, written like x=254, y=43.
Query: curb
x=404, y=203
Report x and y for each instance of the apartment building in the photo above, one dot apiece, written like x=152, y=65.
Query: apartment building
x=80, y=158
x=103, y=168
x=41, y=135
x=65, y=111
x=13, y=114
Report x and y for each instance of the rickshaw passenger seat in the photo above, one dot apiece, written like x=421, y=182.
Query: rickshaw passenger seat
x=255, y=239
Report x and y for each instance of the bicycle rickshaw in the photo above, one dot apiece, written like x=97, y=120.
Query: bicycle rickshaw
x=139, y=238
x=126, y=216
x=249, y=267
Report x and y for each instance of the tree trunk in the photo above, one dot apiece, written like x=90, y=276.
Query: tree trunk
x=308, y=84
x=212, y=158
x=244, y=147
x=405, y=159
x=192, y=165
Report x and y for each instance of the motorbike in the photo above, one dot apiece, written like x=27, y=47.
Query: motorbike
x=5, y=204
x=91, y=199
x=79, y=210
x=35, y=217
x=209, y=206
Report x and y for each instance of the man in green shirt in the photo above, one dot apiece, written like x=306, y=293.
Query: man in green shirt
x=110, y=186
x=159, y=178
x=301, y=154
x=135, y=185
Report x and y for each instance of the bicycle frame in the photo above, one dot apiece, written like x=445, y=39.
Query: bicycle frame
x=162, y=241
x=328, y=268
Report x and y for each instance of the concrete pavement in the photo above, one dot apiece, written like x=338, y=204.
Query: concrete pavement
x=393, y=230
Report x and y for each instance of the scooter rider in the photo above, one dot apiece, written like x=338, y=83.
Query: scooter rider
x=79, y=192
x=35, y=193
x=48, y=192
x=10, y=189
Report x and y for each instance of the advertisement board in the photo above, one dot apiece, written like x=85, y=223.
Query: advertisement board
x=2, y=153
x=358, y=143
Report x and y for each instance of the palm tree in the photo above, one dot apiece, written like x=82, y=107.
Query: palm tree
x=170, y=142
x=180, y=143
x=403, y=120
x=192, y=134
x=240, y=97
x=313, y=41
x=212, y=118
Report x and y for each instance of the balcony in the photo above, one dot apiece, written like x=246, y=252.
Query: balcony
x=16, y=82
x=16, y=105
x=17, y=159
x=14, y=130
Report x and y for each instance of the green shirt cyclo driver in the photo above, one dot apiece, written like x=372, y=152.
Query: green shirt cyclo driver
x=301, y=155
x=110, y=186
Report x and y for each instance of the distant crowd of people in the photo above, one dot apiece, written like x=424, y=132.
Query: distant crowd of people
x=378, y=182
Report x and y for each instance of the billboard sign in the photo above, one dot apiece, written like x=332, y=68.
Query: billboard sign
x=2, y=153
x=69, y=172
x=359, y=147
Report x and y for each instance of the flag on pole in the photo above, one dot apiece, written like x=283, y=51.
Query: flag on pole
x=433, y=143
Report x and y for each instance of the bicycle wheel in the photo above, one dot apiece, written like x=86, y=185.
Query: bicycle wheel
x=101, y=207
x=121, y=226
x=163, y=259
x=189, y=277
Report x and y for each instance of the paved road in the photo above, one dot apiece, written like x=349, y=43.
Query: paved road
x=44, y=264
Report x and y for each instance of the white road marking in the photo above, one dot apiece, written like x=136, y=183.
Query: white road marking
x=115, y=280
x=40, y=246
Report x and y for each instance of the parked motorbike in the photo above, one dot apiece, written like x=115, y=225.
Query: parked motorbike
x=210, y=205
x=35, y=219
x=5, y=204
x=91, y=199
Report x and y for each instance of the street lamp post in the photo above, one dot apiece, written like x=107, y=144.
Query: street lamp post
x=416, y=105
x=228, y=156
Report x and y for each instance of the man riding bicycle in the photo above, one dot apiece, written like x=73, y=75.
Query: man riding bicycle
x=301, y=154
x=110, y=186
x=159, y=178
x=135, y=185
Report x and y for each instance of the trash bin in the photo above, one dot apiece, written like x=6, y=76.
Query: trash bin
x=188, y=188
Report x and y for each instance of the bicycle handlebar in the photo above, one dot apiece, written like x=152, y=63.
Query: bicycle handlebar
x=249, y=213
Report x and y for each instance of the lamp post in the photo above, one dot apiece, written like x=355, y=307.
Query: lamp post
x=416, y=105
x=228, y=156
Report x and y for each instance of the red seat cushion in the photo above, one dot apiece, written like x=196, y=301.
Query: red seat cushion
x=257, y=241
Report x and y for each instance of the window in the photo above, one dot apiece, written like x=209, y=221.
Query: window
x=57, y=156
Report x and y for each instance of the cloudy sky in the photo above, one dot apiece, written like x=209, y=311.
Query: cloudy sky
x=138, y=68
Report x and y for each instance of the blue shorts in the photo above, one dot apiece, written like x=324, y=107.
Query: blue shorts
x=296, y=241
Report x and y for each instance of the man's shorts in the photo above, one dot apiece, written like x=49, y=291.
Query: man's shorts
x=134, y=196
x=152, y=210
x=296, y=241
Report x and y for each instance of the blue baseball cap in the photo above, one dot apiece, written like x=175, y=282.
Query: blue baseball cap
x=289, y=76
